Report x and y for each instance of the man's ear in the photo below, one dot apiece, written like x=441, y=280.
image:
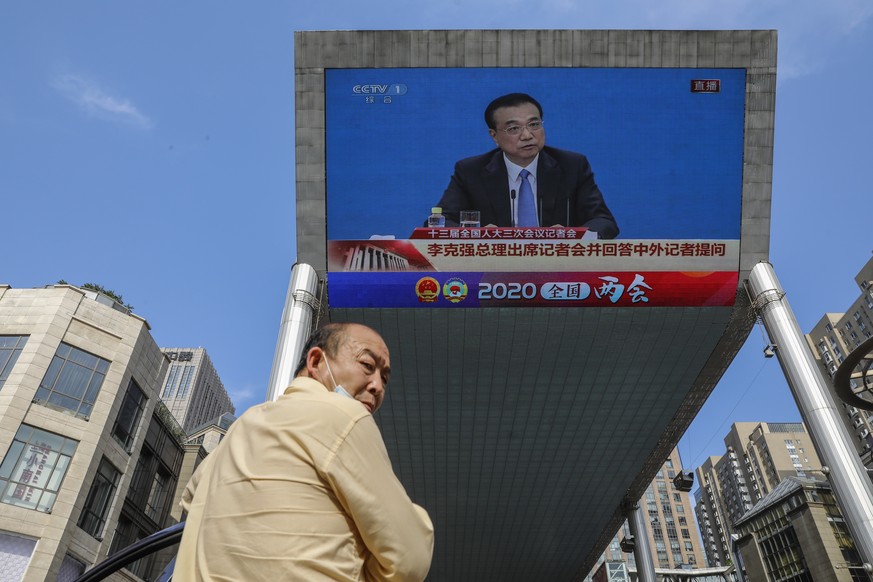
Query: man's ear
x=314, y=358
x=493, y=135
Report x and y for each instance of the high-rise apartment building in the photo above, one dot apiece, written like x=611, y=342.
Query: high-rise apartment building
x=192, y=389
x=712, y=515
x=90, y=457
x=670, y=524
x=832, y=339
x=758, y=456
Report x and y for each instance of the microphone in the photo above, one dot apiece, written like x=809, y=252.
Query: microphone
x=512, y=207
x=568, y=212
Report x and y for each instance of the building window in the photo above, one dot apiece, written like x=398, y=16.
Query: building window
x=185, y=382
x=129, y=415
x=34, y=468
x=171, y=381
x=127, y=533
x=71, y=569
x=15, y=553
x=72, y=381
x=158, y=495
x=99, y=499
x=782, y=555
x=10, y=349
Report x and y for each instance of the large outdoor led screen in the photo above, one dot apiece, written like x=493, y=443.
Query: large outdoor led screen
x=665, y=147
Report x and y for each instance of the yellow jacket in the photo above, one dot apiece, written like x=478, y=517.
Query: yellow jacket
x=302, y=489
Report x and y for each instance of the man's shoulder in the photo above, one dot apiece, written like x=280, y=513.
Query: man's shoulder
x=308, y=397
x=480, y=160
x=563, y=156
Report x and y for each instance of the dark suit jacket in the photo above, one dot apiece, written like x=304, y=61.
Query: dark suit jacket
x=565, y=189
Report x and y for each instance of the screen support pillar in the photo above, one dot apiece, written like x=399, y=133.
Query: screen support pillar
x=846, y=474
x=642, y=550
x=301, y=304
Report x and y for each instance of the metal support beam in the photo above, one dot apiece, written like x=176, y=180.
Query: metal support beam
x=739, y=565
x=642, y=551
x=847, y=476
x=301, y=304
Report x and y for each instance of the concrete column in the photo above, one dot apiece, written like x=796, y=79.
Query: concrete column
x=301, y=304
x=642, y=550
x=847, y=476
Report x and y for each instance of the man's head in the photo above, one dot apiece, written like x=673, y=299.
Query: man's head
x=515, y=124
x=349, y=355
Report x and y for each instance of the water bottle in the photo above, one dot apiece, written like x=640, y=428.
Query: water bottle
x=436, y=218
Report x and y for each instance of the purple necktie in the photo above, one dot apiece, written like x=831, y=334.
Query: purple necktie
x=527, y=208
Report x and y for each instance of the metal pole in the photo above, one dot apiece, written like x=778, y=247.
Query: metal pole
x=642, y=551
x=300, y=305
x=739, y=565
x=847, y=476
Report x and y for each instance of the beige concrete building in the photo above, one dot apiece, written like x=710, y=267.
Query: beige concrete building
x=90, y=458
x=670, y=526
x=797, y=533
x=210, y=433
x=832, y=339
x=712, y=515
x=758, y=456
x=200, y=442
x=192, y=389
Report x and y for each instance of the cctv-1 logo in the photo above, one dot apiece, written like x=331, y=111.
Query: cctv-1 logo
x=375, y=89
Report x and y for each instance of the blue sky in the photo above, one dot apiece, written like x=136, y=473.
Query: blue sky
x=149, y=147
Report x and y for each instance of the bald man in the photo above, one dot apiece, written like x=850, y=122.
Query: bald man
x=302, y=488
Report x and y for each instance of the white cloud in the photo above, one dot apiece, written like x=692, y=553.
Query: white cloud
x=93, y=100
x=245, y=397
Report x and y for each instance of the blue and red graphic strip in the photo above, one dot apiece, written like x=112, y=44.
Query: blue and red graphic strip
x=461, y=290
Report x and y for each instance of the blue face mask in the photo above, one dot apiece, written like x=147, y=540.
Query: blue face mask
x=337, y=388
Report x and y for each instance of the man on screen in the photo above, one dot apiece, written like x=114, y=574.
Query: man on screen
x=524, y=182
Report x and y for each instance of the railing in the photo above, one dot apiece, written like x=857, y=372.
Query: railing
x=148, y=545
